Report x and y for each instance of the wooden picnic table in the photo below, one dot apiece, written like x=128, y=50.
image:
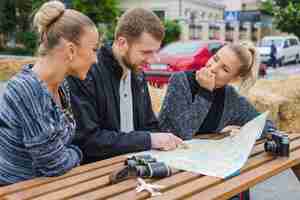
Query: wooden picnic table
x=91, y=181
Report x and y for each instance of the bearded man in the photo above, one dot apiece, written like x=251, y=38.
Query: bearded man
x=112, y=107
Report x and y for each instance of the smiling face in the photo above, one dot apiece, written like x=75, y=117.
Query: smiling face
x=138, y=52
x=225, y=64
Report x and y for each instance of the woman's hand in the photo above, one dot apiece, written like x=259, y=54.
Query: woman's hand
x=206, y=78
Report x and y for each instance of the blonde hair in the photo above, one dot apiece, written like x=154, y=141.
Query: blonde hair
x=53, y=22
x=247, y=54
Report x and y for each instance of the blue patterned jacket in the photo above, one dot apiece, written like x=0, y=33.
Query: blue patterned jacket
x=35, y=133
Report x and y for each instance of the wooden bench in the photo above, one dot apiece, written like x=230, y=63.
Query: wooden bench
x=90, y=182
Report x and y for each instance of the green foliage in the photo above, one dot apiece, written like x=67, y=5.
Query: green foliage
x=284, y=3
x=288, y=18
x=107, y=33
x=29, y=39
x=15, y=51
x=7, y=16
x=172, y=33
x=286, y=14
x=100, y=11
x=267, y=7
x=17, y=15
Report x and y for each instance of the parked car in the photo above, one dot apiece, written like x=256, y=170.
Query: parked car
x=180, y=56
x=288, y=49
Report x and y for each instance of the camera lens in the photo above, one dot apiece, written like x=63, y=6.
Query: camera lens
x=143, y=171
x=153, y=170
x=159, y=170
x=285, y=139
x=271, y=146
x=131, y=163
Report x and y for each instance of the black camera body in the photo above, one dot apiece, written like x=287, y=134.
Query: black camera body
x=147, y=167
x=278, y=144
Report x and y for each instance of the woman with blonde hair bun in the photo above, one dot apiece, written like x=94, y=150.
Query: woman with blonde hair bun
x=203, y=102
x=36, y=120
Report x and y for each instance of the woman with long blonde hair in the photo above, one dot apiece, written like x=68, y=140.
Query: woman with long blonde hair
x=36, y=120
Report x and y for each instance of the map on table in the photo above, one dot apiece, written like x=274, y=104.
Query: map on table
x=221, y=158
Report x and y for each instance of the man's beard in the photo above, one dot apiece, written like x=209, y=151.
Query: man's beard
x=126, y=61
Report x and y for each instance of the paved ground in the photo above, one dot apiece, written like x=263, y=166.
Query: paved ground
x=284, y=186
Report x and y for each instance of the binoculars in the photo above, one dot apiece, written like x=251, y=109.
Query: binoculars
x=147, y=167
x=278, y=144
x=143, y=166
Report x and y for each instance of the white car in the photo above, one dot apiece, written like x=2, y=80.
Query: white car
x=288, y=49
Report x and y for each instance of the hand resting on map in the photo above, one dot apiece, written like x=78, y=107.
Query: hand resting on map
x=232, y=130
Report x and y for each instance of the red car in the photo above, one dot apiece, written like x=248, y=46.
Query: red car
x=180, y=56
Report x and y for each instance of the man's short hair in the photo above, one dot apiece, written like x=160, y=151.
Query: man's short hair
x=136, y=21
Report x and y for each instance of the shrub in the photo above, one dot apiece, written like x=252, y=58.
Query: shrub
x=173, y=31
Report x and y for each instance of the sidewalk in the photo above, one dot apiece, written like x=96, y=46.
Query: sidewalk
x=14, y=57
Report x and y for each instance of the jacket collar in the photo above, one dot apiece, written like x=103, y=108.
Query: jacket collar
x=107, y=56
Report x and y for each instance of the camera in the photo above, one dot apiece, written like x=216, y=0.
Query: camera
x=277, y=144
x=144, y=166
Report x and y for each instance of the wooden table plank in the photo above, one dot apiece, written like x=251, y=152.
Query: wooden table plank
x=91, y=181
x=256, y=162
x=69, y=182
x=238, y=184
x=44, y=180
x=80, y=188
x=95, y=184
x=129, y=185
x=296, y=170
x=203, y=183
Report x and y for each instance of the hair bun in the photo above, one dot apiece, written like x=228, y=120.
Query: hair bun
x=48, y=14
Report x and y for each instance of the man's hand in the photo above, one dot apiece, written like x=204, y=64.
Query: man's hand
x=233, y=130
x=206, y=78
x=165, y=141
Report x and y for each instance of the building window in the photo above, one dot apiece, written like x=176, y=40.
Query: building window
x=216, y=16
x=160, y=13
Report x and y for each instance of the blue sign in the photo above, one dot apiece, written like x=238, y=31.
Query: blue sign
x=232, y=16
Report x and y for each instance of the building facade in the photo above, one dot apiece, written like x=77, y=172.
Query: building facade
x=245, y=20
x=230, y=20
x=200, y=19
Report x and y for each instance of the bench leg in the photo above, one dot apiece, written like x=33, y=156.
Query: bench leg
x=296, y=170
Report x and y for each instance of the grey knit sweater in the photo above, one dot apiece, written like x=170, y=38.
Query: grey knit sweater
x=183, y=115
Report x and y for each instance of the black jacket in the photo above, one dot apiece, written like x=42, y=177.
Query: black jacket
x=96, y=106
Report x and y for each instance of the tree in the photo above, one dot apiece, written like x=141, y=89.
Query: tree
x=284, y=3
x=100, y=11
x=286, y=14
x=8, y=18
x=16, y=15
x=172, y=31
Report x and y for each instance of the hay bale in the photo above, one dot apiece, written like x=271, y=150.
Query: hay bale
x=9, y=67
x=157, y=96
x=280, y=97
